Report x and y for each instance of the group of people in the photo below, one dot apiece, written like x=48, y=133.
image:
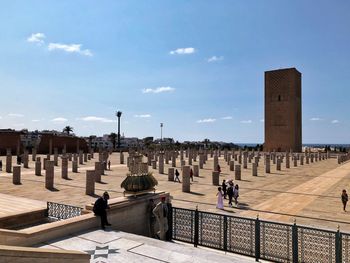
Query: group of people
x=177, y=174
x=230, y=190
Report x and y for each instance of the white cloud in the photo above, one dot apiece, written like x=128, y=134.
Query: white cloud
x=206, y=120
x=335, y=121
x=96, y=119
x=72, y=48
x=182, y=51
x=227, y=118
x=37, y=38
x=215, y=59
x=18, y=124
x=16, y=115
x=143, y=116
x=262, y=120
x=35, y=120
x=59, y=120
x=246, y=121
x=158, y=90
x=315, y=119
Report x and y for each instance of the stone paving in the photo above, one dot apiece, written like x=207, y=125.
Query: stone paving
x=115, y=246
x=309, y=193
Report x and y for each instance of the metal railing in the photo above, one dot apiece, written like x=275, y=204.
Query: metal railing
x=258, y=238
x=62, y=211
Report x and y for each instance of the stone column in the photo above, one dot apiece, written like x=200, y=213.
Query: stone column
x=215, y=178
x=278, y=164
x=190, y=156
x=216, y=162
x=16, y=177
x=186, y=183
x=74, y=166
x=201, y=160
x=254, y=170
x=8, y=161
x=245, y=163
x=256, y=161
x=173, y=160
x=287, y=161
x=238, y=172
x=195, y=170
x=240, y=158
x=98, y=172
x=267, y=164
x=85, y=157
x=44, y=163
x=26, y=159
x=171, y=173
x=33, y=154
x=70, y=157
x=81, y=161
x=90, y=182
x=121, y=158
x=307, y=159
x=49, y=175
x=154, y=164
x=228, y=158
x=161, y=163
x=38, y=166
x=295, y=161
x=55, y=157
x=64, y=167
x=302, y=160
x=232, y=165
x=312, y=158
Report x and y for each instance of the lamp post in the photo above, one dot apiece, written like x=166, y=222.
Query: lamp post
x=118, y=114
x=161, y=131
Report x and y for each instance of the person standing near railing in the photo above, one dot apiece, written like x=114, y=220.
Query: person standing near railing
x=100, y=207
x=161, y=213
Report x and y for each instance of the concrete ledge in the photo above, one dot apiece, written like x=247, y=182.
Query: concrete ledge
x=40, y=255
x=126, y=214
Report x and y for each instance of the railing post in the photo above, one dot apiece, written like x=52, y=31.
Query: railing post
x=338, y=246
x=257, y=238
x=169, y=234
x=196, y=227
x=225, y=233
x=295, y=242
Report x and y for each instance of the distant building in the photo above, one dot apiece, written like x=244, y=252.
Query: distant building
x=283, y=130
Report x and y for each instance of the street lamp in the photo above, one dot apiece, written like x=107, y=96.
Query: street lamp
x=118, y=114
x=161, y=131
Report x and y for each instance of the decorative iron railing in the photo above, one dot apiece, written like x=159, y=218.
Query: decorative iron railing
x=62, y=211
x=261, y=239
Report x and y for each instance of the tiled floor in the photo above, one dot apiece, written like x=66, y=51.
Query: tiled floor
x=113, y=247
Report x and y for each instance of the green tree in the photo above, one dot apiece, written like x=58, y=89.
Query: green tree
x=68, y=129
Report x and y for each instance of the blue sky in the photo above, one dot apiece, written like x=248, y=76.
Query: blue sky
x=196, y=66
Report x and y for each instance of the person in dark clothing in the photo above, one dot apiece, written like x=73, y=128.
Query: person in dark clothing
x=224, y=186
x=0, y=165
x=191, y=174
x=19, y=161
x=100, y=207
x=344, y=199
x=230, y=194
x=109, y=165
x=177, y=176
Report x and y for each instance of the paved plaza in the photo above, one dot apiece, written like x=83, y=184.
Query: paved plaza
x=114, y=246
x=310, y=194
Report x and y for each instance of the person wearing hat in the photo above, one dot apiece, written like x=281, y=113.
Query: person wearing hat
x=161, y=213
x=100, y=207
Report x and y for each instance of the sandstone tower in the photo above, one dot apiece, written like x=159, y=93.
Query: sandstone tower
x=283, y=110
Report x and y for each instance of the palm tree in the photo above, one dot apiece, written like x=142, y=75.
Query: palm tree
x=113, y=136
x=68, y=129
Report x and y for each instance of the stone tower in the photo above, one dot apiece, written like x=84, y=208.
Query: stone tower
x=283, y=110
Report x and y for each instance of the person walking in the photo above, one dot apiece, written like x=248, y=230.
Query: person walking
x=220, y=203
x=100, y=207
x=224, y=187
x=344, y=199
x=230, y=194
x=236, y=194
x=177, y=176
x=219, y=169
x=191, y=174
x=0, y=165
x=109, y=165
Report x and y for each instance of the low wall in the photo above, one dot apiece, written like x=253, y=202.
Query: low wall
x=38, y=255
x=128, y=214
